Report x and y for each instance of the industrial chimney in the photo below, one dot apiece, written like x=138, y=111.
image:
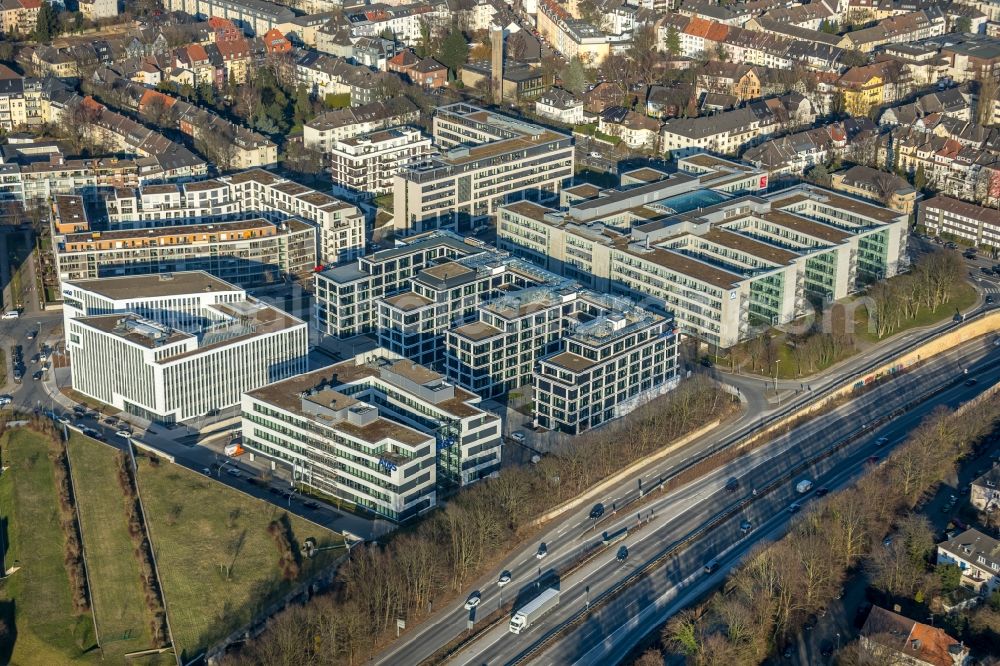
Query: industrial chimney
x=496, y=63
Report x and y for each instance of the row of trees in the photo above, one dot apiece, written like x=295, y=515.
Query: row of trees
x=73, y=555
x=891, y=304
x=768, y=598
x=451, y=547
x=928, y=286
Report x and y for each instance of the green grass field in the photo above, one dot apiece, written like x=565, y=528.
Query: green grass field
x=35, y=601
x=963, y=296
x=218, y=565
x=123, y=620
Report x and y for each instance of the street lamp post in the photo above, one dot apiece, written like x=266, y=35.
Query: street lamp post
x=776, y=362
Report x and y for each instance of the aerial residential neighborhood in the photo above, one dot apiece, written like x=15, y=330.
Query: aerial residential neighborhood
x=642, y=332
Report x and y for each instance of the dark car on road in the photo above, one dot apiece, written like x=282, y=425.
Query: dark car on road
x=732, y=485
x=597, y=511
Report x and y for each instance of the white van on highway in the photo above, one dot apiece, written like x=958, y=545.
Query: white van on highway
x=11, y=314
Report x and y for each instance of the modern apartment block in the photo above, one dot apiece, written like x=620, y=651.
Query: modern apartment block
x=365, y=166
x=346, y=294
x=614, y=357
x=250, y=252
x=702, y=245
x=486, y=159
x=323, y=131
x=487, y=319
x=176, y=346
x=33, y=172
x=340, y=226
x=377, y=430
x=570, y=345
x=969, y=223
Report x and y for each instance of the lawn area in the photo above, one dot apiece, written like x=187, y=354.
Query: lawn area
x=96, y=405
x=963, y=295
x=199, y=529
x=123, y=620
x=35, y=601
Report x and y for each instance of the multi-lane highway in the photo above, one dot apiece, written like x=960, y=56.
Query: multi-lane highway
x=561, y=537
x=613, y=628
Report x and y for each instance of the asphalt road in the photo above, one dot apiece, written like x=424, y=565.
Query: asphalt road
x=13, y=333
x=614, y=628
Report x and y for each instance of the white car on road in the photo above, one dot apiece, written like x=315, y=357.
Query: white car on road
x=124, y=434
x=472, y=601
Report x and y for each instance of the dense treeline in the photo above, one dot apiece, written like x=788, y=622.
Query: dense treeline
x=450, y=548
x=769, y=597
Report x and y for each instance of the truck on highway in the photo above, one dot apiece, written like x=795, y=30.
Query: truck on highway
x=803, y=486
x=233, y=449
x=534, y=609
x=609, y=538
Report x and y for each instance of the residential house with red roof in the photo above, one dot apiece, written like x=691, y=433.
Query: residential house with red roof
x=194, y=58
x=224, y=29
x=892, y=638
x=236, y=55
x=275, y=42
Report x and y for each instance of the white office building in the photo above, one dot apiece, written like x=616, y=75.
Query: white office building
x=613, y=358
x=176, y=346
x=377, y=430
x=365, y=166
x=704, y=245
x=346, y=295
